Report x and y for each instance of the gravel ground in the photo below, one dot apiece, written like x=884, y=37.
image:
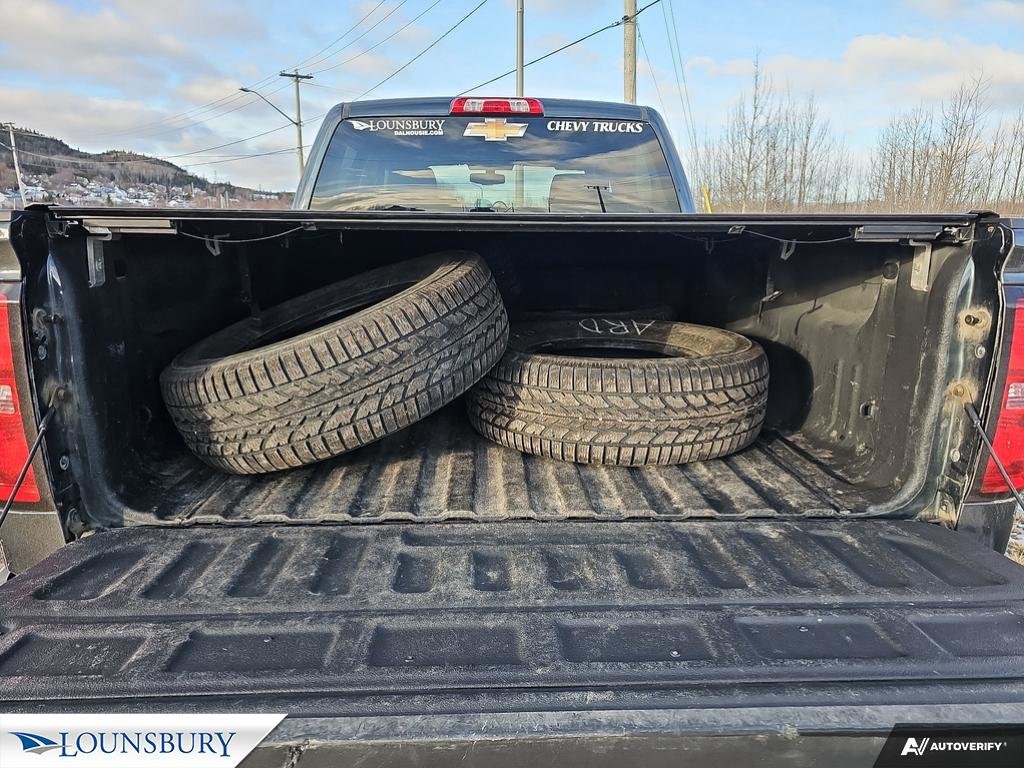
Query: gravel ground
x=1015, y=549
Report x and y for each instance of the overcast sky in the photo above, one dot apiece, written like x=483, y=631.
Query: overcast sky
x=141, y=74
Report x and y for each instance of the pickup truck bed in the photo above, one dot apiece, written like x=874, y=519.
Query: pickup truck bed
x=793, y=585
x=472, y=618
x=440, y=469
x=841, y=320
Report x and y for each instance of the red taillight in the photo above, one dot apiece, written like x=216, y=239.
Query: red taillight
x=1009, y=435
x=474, y=105
x=13, y=443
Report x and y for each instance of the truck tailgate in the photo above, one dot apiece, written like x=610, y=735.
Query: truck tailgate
x=464, y=617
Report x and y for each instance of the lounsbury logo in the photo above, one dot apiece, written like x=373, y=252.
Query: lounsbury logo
x=130, y=741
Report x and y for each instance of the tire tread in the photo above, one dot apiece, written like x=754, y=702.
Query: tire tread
x=305, y=401
x=593, y=410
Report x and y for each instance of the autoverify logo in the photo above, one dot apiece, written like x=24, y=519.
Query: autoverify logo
x=924, y=745
x=915, y=746
x=980, y=745
x=126, y=741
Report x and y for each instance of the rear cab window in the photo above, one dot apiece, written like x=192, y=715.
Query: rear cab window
x=479, y=163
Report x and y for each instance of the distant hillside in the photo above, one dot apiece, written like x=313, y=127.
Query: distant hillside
x=56, y=171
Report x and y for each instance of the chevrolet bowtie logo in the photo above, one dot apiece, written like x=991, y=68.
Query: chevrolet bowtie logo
x=495, y=129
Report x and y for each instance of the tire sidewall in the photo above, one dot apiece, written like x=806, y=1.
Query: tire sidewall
x=528, y=342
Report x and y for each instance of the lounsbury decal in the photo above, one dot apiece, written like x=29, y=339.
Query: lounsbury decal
x=99, y=740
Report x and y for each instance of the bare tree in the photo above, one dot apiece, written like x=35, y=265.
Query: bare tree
x=950, y=162
x=1013, y=190
x=990, y=173
x=959, y=144
x=902, y=166
x=776, y=153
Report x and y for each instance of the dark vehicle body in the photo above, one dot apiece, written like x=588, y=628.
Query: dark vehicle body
x=434, y=598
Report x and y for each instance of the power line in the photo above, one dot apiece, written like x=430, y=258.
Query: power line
x=349, y=44
x=605, y=28
x=213, y=107
x=650, y=67
x=679, y=71
x=190, y=117
x=233, y=97
x=686, y=87
x=81, y=160
x=333, y=88
x=142, y=127
x=228, y=143
x=149, y=134
x=447, y=32
x=379, y=43
x=311, y=61
x=675, y=69
x=151, y=159
x=317, y=117
x=199, y=152
x=191, y=153
x=421, y=53
x=148, y=158
x=236, y=158
x=172, y=129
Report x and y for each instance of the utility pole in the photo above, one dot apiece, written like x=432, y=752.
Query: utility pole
x=519, y=47
x=297, y=120
x=297, y=78
x=629, y=52
x=17, y=167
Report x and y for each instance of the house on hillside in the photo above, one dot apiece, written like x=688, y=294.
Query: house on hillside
x=35, y=194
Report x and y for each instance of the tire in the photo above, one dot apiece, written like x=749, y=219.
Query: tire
x=686, y=392
x=306, y=384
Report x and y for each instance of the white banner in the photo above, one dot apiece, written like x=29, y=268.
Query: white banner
x=131, y=741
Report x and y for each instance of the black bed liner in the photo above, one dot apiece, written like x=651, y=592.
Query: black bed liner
x=465, y=617
x=440, y=469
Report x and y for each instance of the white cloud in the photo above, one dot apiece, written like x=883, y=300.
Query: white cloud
x=206, y=88
x=1011, y=11
x=91, y=123
x=372, y=65
x=554, y=7
x=864, y=84
x=1005, y=10
x=68, y=114
x=942, y=8
x=583, y=55
x=129, y=45
x=46, y=38
x=892, y=69
x=120, y=75
x=908, y=69
x=714, y=68
x=196, y=18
